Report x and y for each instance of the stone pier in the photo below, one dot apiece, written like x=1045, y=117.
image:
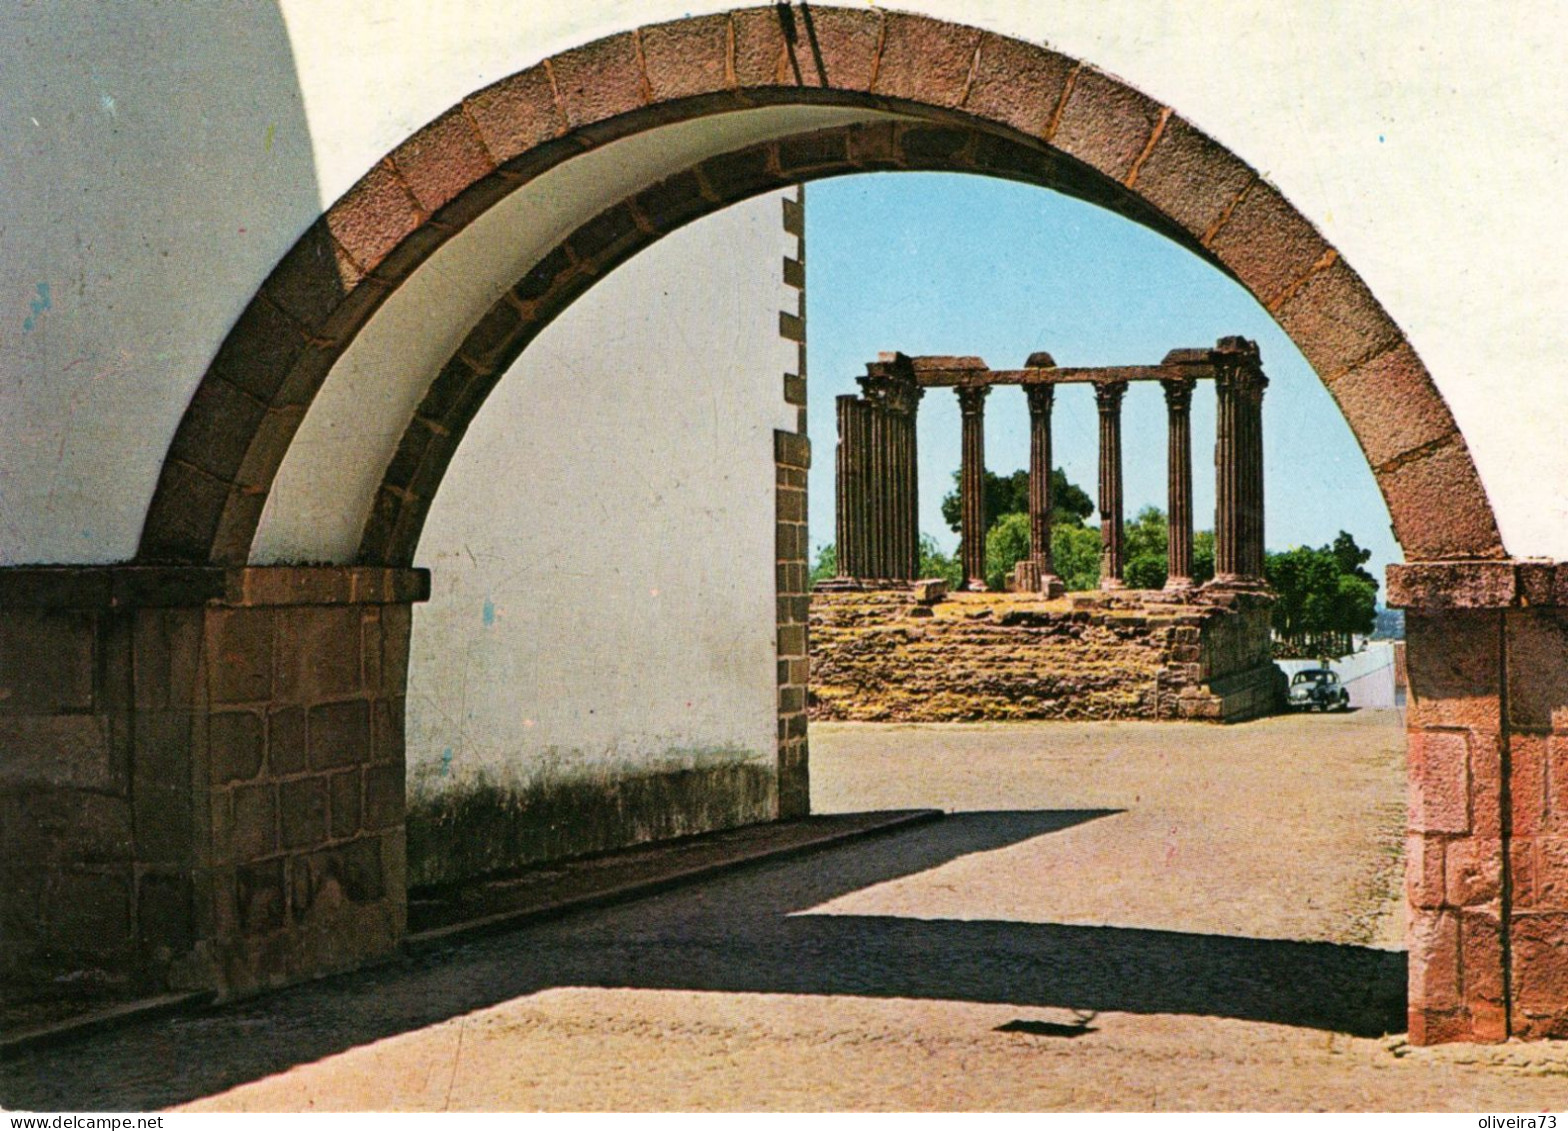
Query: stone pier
x=204, y=783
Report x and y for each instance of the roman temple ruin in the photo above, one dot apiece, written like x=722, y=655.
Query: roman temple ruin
x=885, y=649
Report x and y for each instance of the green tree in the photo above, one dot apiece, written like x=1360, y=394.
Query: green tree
x=1323, y=596
x=934, y=563
x=1146, y=539
x=1354, y=606
x=1075, y=551
x=1351, y=558
x=1070, y=504
x=1005, y=546
x=1202, y=556
x=827, y=563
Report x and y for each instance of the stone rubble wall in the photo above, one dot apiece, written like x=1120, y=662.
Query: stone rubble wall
x=884, y=656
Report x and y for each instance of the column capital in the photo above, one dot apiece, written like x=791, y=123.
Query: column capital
x=971, y=398
x=892, y=391
x=1238, y=366
x=1235, y=347
x=1178, y=392
x=1108, y=395
x=1040, y=398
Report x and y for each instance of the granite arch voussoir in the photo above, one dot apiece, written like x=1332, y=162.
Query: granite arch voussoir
x=988, y=101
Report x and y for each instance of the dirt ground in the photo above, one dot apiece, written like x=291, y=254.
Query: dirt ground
x=1115, y=916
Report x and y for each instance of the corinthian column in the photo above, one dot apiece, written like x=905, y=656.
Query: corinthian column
x=971, y=485
x=844, y=487
x=876, y=489
x=1238, y=463
x=1178, y=406
x=904, y=402
x=1253, y=403
x=1108, y=398
x=851, y=513
x=1041, y=398
x=892, y=397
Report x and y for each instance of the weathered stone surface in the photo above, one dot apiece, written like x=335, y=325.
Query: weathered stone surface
x=163, y=913
x=1018, y=84
x=1540, y=975
x=1439, y=507
x=926, y=60
x=983, y=656
x=57, y=750
x=1433, y=938
x=442, y=160
x=1453, y=585
x=1474, y=871
x=347, y=804
x=259, y=896
x=1191, y=178
x=90, y=912
x=384, y=796
x=46, y=660
x=687, y=57
x=1267, y=243
x=373, y=217
x=303, y=807
x=1424, y=864
x=239, y=655
x=1537, y=641
x=255, y=821
x=1396, y=407
x=340, y=734
x=1529, y=755
x=1440, y=785
x=599, y=80
x=1105, y=123
x=286, y=742
x=517, y=113
x=235, y=746
x=1455, y=665
x=318, y=653
x=1336, y=321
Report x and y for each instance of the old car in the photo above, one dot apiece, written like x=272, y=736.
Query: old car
x=1320, y=688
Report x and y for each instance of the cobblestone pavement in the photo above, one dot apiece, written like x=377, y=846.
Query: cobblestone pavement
x=1115, y=916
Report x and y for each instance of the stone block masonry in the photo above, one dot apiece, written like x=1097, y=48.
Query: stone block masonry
x=1487, y=848
x=885, y=656
x=203, y=776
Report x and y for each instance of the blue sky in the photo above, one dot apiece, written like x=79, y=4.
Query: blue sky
x=933, y=263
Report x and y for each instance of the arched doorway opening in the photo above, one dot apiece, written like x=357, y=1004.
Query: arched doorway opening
x=611, y=145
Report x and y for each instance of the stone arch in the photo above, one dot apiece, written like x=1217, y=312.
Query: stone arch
x=969, y=100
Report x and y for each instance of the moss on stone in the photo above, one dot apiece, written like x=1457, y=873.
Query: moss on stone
x=492, y=821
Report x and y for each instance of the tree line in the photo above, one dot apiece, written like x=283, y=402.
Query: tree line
x=1325, y=596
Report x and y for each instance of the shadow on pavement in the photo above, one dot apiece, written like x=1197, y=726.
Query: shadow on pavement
x=751, y=932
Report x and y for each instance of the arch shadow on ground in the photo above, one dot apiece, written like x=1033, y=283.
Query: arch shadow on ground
x=749, y=932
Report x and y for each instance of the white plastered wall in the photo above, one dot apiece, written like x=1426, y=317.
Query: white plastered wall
x=327, y=483
x=602, y=547
x=160, y=157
